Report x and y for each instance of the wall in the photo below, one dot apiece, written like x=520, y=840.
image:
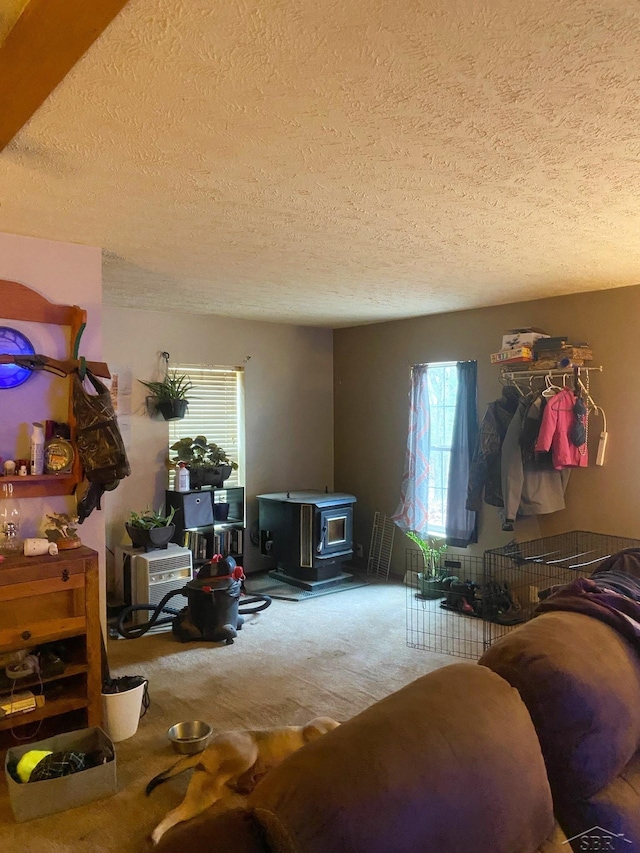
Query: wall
x=372, y=368
x=71, y=275
x=288, y=403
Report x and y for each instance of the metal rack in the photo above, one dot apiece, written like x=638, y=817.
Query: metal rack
x=381, y=546
x=555, y=372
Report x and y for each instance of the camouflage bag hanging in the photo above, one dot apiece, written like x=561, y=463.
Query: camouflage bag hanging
x=99, y=442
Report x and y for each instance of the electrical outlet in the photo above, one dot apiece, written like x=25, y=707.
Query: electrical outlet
x=359, y=550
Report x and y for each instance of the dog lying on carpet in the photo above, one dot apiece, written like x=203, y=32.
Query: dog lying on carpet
x=234, y=762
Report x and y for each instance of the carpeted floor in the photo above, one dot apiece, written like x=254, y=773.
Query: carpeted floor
x=334, y=655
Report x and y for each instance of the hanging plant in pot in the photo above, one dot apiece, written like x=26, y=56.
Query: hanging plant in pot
x=431, y=577
x=207, y=462
x=169, y=396
x=150, y=529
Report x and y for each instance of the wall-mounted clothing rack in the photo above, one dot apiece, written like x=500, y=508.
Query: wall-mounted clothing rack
x=552, y=373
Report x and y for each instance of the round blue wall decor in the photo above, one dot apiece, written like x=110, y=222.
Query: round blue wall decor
x=14, y=342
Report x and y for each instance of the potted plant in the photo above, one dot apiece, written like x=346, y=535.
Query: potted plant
x=169, y=396
x=150, y=529
x=207, y=462
x=61, y=529
x=431, y=577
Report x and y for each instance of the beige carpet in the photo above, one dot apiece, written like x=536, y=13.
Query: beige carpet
x=332, y=655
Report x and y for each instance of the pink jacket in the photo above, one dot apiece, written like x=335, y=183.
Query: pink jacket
x=557, y=420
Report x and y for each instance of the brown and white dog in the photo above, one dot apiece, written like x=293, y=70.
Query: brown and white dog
x=233, y=762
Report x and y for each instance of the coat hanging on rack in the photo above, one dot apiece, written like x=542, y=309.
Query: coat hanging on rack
x=558, y=422
x=530, y=483
x=485, y=470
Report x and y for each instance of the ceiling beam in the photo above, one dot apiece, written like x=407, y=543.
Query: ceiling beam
x=44, y=44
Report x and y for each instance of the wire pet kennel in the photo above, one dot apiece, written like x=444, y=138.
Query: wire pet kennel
x=434, y=627
x=527, y=568
x=498, y=591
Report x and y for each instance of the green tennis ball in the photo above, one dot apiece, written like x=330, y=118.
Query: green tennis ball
x=29, y=761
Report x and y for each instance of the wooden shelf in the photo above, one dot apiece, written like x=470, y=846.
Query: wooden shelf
x=34, y=681
x=42, y=485
x=71, y=701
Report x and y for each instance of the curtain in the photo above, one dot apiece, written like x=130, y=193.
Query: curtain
x=462, y=524
x=413, y=510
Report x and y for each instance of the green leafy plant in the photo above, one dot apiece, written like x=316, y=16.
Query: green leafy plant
x=61, y=525
x=150, y=518
x=199, y=453
x=174, y=386
x=431, y=553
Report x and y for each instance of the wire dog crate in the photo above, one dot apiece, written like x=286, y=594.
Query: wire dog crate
x=486, y=597
x=524, y=569
x=436, y=624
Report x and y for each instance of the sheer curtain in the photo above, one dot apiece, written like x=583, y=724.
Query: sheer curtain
x=413, y=510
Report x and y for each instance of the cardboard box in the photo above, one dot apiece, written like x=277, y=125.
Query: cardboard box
x=522, y=338
x=511, y=356
x=37, y=799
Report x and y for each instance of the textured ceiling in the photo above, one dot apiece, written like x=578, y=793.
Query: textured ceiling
x=335, y=163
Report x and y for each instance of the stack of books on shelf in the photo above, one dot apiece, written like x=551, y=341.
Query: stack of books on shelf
x=223, y=542
x=557, y=352
x=227, y=542
x=197, y=543
x=536, y=350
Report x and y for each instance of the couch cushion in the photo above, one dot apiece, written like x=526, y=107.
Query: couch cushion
x=581, y=683
x=615, y=808
x=450, y=762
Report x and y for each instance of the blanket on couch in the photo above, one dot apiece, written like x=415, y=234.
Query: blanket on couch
x=611, y=594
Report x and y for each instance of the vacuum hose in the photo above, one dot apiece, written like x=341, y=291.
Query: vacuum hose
x=138, y=630
x=252, y=604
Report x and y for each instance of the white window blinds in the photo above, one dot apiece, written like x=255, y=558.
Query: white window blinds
x=215, y=411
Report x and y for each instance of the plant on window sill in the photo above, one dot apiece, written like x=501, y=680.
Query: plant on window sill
x=207, y=462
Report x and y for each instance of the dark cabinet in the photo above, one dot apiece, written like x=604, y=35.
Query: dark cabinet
x=209, y=521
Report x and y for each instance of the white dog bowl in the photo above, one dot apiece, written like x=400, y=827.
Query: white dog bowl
x=189, y=737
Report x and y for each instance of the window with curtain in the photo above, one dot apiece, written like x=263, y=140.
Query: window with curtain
x=443, y=424
x=216, y=411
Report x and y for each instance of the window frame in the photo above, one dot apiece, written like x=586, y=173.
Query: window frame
x=229, y=437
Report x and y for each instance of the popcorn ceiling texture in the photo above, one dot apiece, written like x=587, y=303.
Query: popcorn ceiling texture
x=335, y=163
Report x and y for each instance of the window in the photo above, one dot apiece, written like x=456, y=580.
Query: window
x=442, y=388
x=443, y=425
x=216, y=410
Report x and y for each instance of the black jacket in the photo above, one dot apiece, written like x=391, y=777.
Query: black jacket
x=485, y=473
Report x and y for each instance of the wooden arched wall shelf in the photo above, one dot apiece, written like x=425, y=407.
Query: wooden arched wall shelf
x=18, y=302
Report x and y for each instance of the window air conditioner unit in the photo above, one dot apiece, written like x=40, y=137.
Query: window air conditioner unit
x=146, y=577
